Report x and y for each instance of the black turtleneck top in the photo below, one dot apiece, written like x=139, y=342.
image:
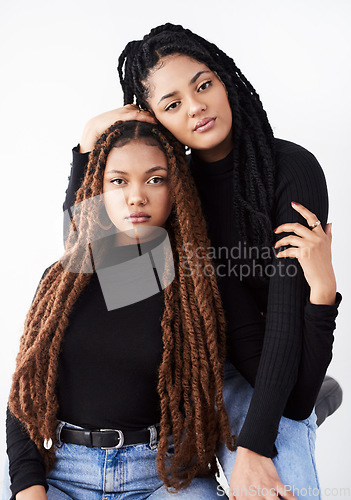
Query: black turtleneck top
x=278, y=340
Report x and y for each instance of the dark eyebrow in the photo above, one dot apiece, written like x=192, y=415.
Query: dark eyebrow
x=193, y=80
x=153, y=169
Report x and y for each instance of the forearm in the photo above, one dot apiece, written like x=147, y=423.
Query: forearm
x=89, y=137
x=26, y=466
x=317, y=344
x=245, y=342
x=325, y=293
x=35, y=492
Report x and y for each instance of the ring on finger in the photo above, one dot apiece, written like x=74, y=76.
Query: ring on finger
x=316, y=224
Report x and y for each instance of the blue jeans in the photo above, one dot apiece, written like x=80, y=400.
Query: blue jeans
x=295, y=462
x=82, y=473
x=130, y=472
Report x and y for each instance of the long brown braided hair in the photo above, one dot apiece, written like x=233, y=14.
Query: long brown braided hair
x=191, y=373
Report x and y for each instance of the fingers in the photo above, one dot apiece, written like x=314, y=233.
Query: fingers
x=139, y=114
x=299, y=229
x=296, y=253
x=285, y=493
x=293, y=227
x=310, y=217
x=328, y=231
x=265, y=493
x=286, y=496
x=289, y=240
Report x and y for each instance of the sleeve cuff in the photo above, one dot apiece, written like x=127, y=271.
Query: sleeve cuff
x=27, y=483
x=78, y=157
x=324, y=309
x=78, y=166
x=261, y=424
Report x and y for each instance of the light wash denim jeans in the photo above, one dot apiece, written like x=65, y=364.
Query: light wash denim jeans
x=84, y=473
x=295, y=461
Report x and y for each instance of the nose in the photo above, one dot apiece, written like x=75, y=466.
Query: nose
x=137, y=197
x=195, y=107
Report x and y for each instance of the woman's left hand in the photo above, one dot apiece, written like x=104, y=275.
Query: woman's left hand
x=312, y=248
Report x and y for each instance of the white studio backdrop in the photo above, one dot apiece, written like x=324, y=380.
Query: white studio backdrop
x=58, y=69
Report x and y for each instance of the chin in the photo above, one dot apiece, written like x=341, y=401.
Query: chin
x=141, y=230
x=208, y=142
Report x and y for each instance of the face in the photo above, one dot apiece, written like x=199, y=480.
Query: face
x=192, y=103
x=136, y=189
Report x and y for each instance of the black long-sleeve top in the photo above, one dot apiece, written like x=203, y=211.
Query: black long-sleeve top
x=299, y=178
x=106, y=380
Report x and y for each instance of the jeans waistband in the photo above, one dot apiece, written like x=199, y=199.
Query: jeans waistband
x=105, y=438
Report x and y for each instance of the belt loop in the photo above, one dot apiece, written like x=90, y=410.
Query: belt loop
x=153, y=437
x=59, y=427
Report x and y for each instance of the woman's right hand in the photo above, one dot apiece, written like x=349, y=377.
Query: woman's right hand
x=98, y=124
x=312, y=248
x=256, y=475
x=36, y=492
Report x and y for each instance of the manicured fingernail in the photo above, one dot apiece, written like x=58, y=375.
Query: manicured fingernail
x=294, y=203
x=274, y=230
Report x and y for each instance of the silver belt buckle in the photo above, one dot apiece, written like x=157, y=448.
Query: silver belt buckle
x=121, y=439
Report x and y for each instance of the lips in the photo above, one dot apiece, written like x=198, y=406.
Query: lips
x=203, y=122
x=138, y=217
x=138, y=214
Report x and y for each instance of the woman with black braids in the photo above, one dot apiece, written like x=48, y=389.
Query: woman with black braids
x=248, y=182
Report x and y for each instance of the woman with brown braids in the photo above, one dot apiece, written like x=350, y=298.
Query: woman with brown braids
x=145, y=182
x=93, y=359
x=250, y=185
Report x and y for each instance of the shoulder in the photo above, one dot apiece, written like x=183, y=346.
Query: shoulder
x=300, y=178
x=294, y=160
x=298, y=169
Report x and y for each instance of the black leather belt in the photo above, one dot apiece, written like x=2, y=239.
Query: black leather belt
x=106, y=438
